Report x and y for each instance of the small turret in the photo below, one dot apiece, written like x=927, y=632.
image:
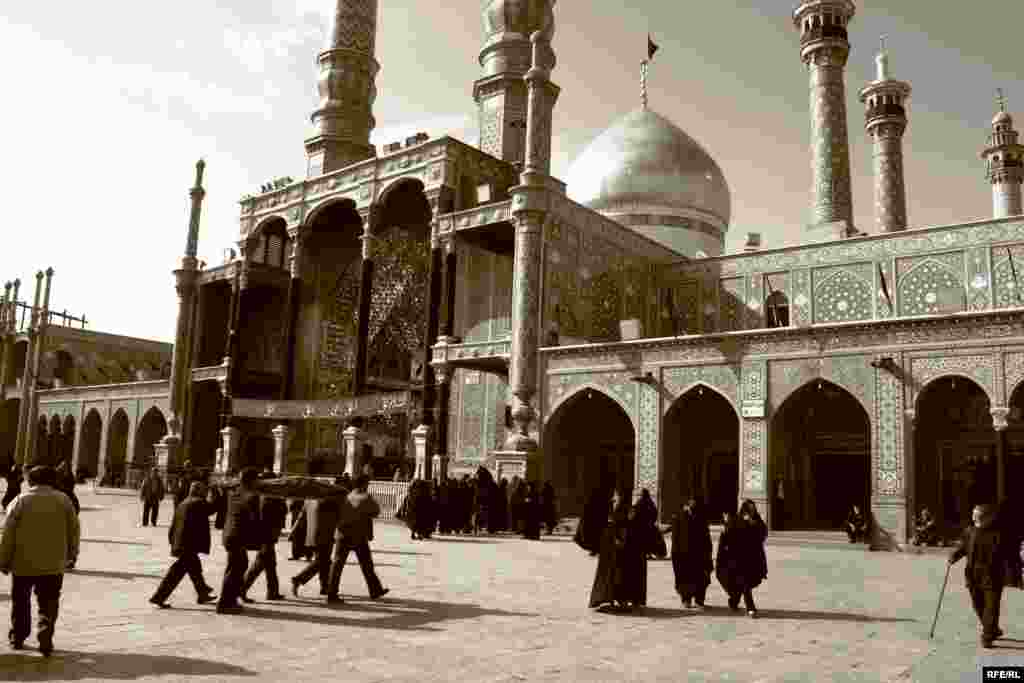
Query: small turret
x=1004, y=158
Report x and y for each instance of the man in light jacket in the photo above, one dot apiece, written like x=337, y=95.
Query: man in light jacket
x=40, y=539
x=354, y=532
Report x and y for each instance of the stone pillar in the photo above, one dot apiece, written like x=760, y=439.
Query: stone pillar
x=420, y=437
x=999, y=415
x=5, y=340
x=281, y=433
x=166, y=452
x=228, y=456
x=353, y=438
x=227, y=387
x=365, y=291
x=430, y=407
x=291, y=318
x=27, y=430
x=440, y=466
x=185, y=279
x=824, y=48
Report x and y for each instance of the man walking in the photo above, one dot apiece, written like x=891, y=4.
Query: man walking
x=151, y=493
x=355, y=531
x=189, y=536
x=983, y=544
x=241, y=533
x=321, y=521
x=273, y=511
x=40, y=539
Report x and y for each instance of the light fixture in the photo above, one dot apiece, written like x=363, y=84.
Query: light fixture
x=646, y=378
x=819, y=385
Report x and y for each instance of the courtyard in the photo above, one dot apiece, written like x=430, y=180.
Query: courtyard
x=505, y=609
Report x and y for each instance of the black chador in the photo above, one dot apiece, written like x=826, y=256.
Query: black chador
x=691, y=555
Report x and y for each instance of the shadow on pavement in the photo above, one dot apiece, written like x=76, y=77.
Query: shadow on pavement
x=127, y=576
x=461, y=539
x=69, y=665
x=399, y=615
x=113, y=541
x=718, y=612
x=395, y=552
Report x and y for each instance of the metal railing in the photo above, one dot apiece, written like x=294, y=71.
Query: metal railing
x=389, y=495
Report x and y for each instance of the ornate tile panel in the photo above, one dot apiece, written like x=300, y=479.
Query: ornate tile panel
x=1014, y=373
x=978, y=279
x=753, y=463
x=853, y=373
x=932, y=285
x=617, y=385
x=722, y=378
x=980, y=368
x=799, y=297
x=1006, y=288
x=647, y=440
x=887, y=432
x=843, y=294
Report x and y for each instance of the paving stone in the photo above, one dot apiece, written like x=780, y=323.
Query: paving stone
x=505, y=609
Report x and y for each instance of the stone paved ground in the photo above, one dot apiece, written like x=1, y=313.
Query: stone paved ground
x=504, y=609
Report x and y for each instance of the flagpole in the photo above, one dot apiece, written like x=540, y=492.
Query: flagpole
x=1013, y=270
x=643, y=83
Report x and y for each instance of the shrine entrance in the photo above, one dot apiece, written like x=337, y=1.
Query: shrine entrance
x=588, y=441
x=954, y=451
x=700, y=454
x=820, y=458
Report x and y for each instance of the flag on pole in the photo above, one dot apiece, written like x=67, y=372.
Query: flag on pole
x=1013, y=271
x=885, y=287
x=651, y=47
x=670, y=309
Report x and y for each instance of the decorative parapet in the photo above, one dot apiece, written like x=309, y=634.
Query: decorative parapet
x=147, y=389
x=487, y=214
x=491, y=355
x=357, y=406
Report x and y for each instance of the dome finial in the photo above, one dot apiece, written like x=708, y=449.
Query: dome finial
x=882, y=60
x=651, y=49
x=1001, y=100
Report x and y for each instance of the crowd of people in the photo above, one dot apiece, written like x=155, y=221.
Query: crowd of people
x=476, y=504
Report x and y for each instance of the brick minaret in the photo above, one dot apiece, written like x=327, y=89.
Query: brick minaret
x=500, y=92
x=1004, y=157
x=346, y=84
x=885, y=120
x=824, y=48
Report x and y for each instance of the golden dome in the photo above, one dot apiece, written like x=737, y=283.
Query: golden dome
x=645, y=171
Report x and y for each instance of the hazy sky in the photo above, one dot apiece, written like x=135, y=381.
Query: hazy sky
x=108, y=104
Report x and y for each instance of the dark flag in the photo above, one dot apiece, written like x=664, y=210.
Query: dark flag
x=651, y=47
x=670, y=309
x=1013, y=271
x=885, y=287
x=772, y=303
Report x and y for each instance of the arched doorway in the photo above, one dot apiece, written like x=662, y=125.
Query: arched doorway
x=89, y=453
x=117, y=449
x=68, y=448
x=205, y=424
x=9, y=410
x=700, y=453
x=820, y=458
x=151, y=429
x=954, y=451
x=588, y=441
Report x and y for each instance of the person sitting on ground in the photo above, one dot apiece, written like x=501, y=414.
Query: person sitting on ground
x=856, y=525
x=925, y=529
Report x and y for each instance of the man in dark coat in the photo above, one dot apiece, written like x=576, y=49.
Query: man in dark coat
x=241, y=533
x=988, y=563
x=354, y=532
x=691, y=555
x=856, y=525
x=272, y=515
x=189, y=536
x=151, y=493
x=322, y=517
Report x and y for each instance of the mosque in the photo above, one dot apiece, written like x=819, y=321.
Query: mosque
x=461, y=305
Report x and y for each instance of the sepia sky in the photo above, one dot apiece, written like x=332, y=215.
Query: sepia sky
x=108, y=104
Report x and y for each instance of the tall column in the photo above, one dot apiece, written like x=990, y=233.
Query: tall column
x=365, y=292
x=353, y=439
x=166, y=450
x=227, y=389
x=999, y=415
x=291, y=318
x=430, y=409
x=824, y=48
x=344, y=119
x=1004, y=157
x=5, y=340
x=444, y=392
x=42, y=323
x=26, y=430
x=885, y=120
x=530, y=206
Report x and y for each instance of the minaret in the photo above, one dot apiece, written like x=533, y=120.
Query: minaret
x=824, y=48
x=885, y=120
x=1005, y=159
x=500, y=92
x=344, y=119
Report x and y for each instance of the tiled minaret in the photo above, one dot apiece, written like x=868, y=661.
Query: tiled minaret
x=885, y=120
x=824, y=48
x=500, y=92
x=346, y=84
x=1004, y=157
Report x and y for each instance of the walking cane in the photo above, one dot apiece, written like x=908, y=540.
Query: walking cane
x=939, y=606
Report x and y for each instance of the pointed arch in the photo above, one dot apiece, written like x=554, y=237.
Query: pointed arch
x=403, y=203
x=592, y=386
x=117, y=447
x=345, y=206
x=67, y=448
x=152, y=427
x=89, y=452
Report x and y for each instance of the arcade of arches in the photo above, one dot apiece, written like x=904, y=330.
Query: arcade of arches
x=820, y=458
x=700, y=454
x=588, y=442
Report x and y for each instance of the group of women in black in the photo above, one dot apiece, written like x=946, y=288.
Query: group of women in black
x=478, y=504
x=623, y=536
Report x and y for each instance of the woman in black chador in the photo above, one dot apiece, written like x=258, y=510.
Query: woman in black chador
x=501, y=506
x=691, y=555
x=594, y=520
x=13, y=485
x=621, y=577
x=741, y=564
x=486, y=491
x=420, y=514
x=531, y=513
x=549, y=508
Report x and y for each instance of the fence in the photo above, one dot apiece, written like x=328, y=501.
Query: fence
x=389, y=495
